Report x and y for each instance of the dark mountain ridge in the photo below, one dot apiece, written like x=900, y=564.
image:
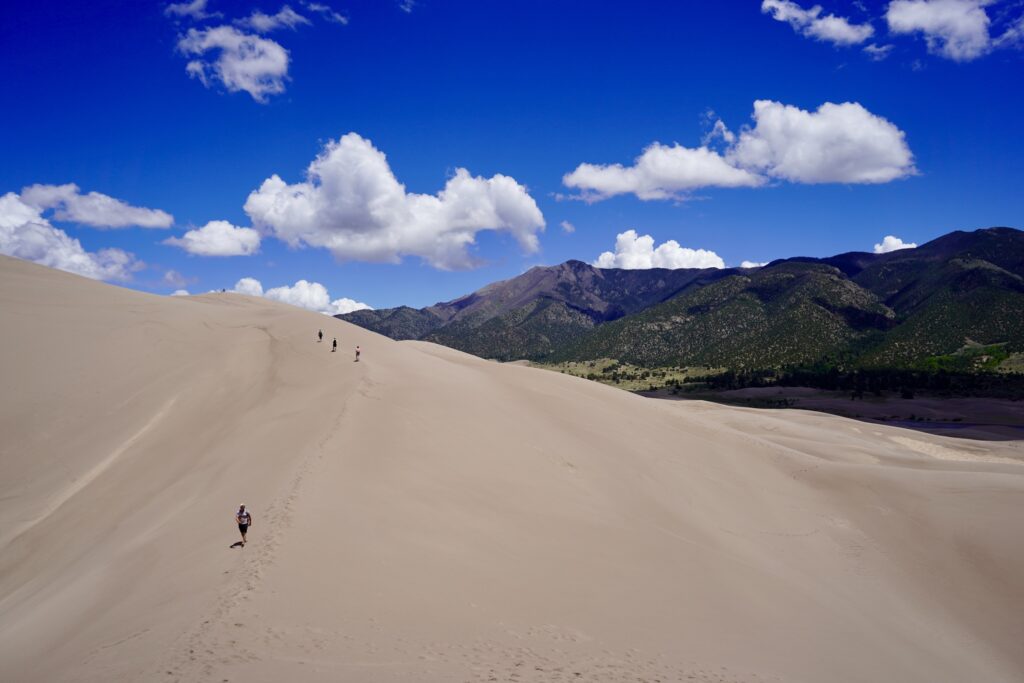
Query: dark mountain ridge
x=861, y=308
x=537, y=310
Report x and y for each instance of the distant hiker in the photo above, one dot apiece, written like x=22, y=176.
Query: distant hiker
x=357, y=354
x=244, y=519
x=334, y=345
x=319, y=335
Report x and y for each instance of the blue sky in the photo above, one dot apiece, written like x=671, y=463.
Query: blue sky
x=875, y=119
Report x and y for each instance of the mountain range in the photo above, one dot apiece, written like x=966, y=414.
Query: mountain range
x=855, y=309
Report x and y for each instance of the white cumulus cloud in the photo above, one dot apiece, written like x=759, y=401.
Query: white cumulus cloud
x=286, y=17
x=218, y=238
x=635, y=252
x=304, y=294
x=26, y=234
x=892, y=243
x=955, y=29
x=248, y=285
x=312, y=296
x=661, y=172
x=352, y=204
x=180, y=292
x=345, y=305
x=812, y=24
x=93, y=209
x=753, y=264
x=837, y=143
x=239, y=61
x=567, y=227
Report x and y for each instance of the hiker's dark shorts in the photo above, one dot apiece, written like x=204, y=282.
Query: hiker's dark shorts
x=243, y=527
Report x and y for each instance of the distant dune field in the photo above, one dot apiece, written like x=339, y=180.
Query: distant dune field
x=424, y=515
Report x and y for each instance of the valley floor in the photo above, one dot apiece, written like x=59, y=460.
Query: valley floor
x=967, y=418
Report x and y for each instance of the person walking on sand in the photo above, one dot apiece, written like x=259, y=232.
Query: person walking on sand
x=244, y=519
x=334, y=345
x=357, y=354
x=319, y=335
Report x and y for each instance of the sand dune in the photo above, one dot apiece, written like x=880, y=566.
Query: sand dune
x=424, y=515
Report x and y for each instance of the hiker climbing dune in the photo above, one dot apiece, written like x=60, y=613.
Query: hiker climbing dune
x=244, y=519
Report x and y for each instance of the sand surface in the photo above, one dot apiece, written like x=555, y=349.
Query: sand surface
x=424, y=515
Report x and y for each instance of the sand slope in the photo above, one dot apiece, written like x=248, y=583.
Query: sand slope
x=424, y=515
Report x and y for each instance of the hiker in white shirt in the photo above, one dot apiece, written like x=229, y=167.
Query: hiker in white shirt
x=244, y=519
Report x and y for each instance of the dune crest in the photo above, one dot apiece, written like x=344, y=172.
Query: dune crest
x=425, y=515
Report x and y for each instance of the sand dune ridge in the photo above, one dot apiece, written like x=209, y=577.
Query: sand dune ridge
x=425, y=515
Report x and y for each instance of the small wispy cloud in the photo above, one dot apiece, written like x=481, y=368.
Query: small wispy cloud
x=195, y=10
x=286, y=17
x=877, y=52
x=175, y=279
x=326, y=12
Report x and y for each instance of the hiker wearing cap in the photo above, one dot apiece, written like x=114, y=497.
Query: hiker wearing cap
x=244, y=519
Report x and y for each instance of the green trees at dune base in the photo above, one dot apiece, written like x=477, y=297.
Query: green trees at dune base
x=863, y=383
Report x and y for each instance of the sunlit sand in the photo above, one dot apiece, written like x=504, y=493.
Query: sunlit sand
x=424, y=515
